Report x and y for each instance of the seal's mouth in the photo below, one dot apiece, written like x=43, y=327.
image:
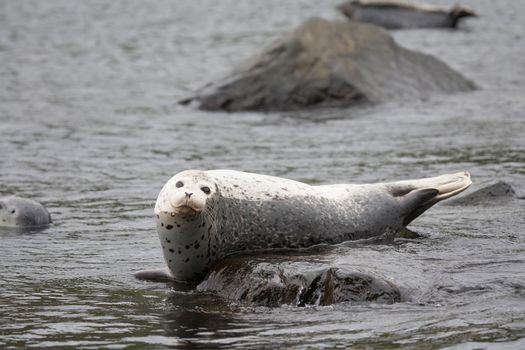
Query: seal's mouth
x=186, y=210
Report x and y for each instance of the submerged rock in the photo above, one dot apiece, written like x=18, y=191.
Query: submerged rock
x=274, y=281
x=331, y=64
x=488, y=194
x=402, y=14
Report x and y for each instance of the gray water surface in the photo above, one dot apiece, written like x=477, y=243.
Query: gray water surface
x=89, y=126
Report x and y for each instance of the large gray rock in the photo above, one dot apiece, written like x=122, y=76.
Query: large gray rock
x=331, y=64
x=277, y=280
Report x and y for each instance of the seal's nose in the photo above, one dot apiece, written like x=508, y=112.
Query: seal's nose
x=188, y=195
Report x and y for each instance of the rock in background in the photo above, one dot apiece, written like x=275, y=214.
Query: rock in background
x=331, y=64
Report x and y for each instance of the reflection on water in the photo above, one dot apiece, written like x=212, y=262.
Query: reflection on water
x=90, y=127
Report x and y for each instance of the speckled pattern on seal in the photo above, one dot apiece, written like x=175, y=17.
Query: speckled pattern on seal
x=203, y=216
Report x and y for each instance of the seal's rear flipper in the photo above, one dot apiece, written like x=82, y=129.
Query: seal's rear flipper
x=457, y=12
x=159, y=275
x=416, y=196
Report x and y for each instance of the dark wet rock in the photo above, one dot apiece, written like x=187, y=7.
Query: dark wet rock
x=402, y=15
x=487, y=194
x=331, y=64
x=274, y=281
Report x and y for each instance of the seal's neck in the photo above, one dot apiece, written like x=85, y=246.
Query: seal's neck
x=188, y=245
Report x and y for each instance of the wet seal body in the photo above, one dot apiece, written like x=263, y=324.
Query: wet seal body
x=203, y=216
x=22, y=212
x=404, y=15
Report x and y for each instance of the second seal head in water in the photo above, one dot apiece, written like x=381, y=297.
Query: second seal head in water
x=203, y=216
x=22, y=212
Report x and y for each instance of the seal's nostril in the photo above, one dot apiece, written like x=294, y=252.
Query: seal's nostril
x=188, y=194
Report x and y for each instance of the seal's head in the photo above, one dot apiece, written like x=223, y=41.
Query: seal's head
x=186, y=212
x=22, y=212
x=186, y=195
x=8, y=213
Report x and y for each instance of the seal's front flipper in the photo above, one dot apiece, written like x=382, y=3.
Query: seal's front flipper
x=159, y=275
x=416, y=196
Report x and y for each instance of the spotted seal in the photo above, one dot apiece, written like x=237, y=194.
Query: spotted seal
x=203, y=216
x=400, y=14
x=22, y=212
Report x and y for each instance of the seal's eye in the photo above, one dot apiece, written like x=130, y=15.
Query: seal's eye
x=13, y=211
x=205, y=189
x=179, y=184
